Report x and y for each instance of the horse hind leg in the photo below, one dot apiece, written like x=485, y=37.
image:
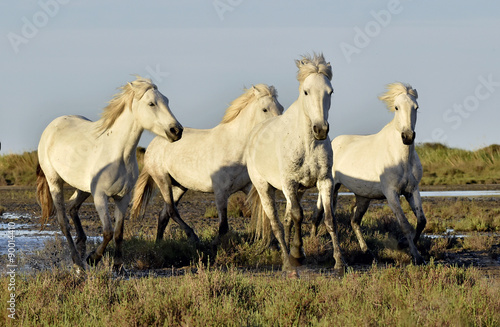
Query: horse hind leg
x=221, y=198
x=74, y=206
x=172, y=196
x=58, y=198
x=101, y=204
x=163, y=219
x=359, y=211
x=120, y=210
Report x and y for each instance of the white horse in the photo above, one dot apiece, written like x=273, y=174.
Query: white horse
x=383, y=165
x=292, y=153
x=208, y=160
x=99, y=158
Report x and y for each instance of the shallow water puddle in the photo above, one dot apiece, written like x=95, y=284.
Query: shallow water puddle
x=28, y=238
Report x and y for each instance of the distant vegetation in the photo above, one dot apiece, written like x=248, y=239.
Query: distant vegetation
x=451, y=166
x=442, y=166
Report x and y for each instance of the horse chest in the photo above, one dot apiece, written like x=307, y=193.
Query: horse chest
x=305, y=169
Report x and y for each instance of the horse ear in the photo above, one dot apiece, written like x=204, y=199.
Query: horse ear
x=255, y=91
x=298, y=63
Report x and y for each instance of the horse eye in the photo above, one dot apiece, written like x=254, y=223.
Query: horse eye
x=265, y=110
x=396, y=108
x=305, y=92
x=151, y=104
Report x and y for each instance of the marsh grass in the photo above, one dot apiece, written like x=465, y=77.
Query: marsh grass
x=18, y=169
x=450, y=166
x=432, y=295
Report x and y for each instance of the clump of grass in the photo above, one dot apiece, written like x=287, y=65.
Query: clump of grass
x=18, y=169
x=211, y=212
x=148, y=254
x=237, y=207
x=478, y=242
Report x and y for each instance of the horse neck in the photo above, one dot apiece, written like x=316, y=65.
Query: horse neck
x=300, y=123
x=242, y=124
x=123, y=137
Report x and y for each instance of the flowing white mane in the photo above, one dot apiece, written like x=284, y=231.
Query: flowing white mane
x=240, y=103
x=120, y=101
x=395, y=89
x=315, y=65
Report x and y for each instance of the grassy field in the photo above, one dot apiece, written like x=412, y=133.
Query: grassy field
x=433, y=295
x=442, y=166
x=236, y=282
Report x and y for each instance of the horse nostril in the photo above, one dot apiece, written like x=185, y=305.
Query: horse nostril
x=315, y=129
x=175, y=132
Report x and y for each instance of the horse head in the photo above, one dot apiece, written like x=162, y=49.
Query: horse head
x=402, y=100
x=255, y=105
x=151, y=110
x=315, y=92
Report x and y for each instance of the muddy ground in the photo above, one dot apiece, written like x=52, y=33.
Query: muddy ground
x=192, y=209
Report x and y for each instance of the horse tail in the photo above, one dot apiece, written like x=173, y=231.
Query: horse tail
x=143, y=191
x=260, y=225
x=43, y=196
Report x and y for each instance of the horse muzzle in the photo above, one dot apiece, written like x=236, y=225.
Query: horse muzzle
x=408, y=137
x=174, y=133
x=320, y=131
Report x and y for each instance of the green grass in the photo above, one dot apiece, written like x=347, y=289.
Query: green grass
x=18, y=169
x=432, y=295
x=449, y=166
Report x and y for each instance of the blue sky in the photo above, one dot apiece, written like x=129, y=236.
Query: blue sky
x=68, y=57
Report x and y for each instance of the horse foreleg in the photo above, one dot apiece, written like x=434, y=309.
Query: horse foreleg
x=121, y=205
x=101, y=204
x=360, y=208
x=267, y=194
x=317, y=217
x=319, y=213
x=58, y=198
x=416, y=206
x=294, y=213
x=74, y=207
x=325, y=188
x=395, y=205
